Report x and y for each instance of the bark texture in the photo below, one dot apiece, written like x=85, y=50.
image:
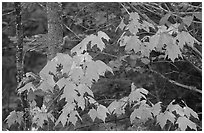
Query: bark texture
x=55, y=32
x=19, y=65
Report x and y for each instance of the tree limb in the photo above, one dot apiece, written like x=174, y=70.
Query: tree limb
x=192, y=88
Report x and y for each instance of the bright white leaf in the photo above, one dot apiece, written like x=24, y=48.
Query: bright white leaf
x=73, y=117
x=156, y=109
x=164, y=19
x=102, y=67
x=62, y=118
x=188, y=112
x=76, y=74
x=188, y=20
x=133, y=44
x=173, y=51
x=153, y=41
x=27, y=87
x=65, y=60
x=163, y=117
x=183, y=122
x=62, y=82
x=101, y=112
x=14, y=117
x=93, y=114
x=82, y=46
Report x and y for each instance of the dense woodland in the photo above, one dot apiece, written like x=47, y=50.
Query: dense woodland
x=130, y=66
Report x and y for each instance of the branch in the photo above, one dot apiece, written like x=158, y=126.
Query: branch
x=71, y=31
x=197, y=69
x=192, y=88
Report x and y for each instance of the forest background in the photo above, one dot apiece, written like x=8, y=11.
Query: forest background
x=147, y=54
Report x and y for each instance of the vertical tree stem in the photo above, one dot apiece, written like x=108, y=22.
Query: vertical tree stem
x=55, y=32
x=19, y=63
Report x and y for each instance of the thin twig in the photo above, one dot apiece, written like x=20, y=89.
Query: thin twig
x=192, y=88
x=71, y=31
x=198, y=69
x=125, y=8
x=8, y=13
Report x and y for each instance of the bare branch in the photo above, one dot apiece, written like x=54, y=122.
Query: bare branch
x=192, y=88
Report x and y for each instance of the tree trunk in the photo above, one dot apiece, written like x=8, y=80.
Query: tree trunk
x=55, y=33
x=19, y=64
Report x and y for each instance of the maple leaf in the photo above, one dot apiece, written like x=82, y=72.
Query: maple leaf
x=94, y=39
x=173, y=28
x=47, y=79
x=39, y=118
x=134, y=16
x=153, y=41
x=61, y=83
x=187, y=20
x=198, y=15
x=92, y=71
x=172, y=50
x=113, y=106
x=65, y=60
x=156, y=109
x=118, y=107
x=123, y=40
x=188, y=112
x=183, y=122
x=80, y=102
x=165, y=18
x=102, y=67
x=179, y=110
x=185, y=38
x=97, y=40
x=143, y=113
x=164, y=38
x=134, y=24
x=76, y=74
x=62, y=118
x=146, y=25
x=93, y=114
x=82, y=46
x=91, y=100
x=181, y=39
x=45, y=85
x=133, y=43
x=145, y=51
x=115, y=65
x=28, y=87
x=82, y=88
x=14, y=117
x=69, y=92
x=73, y=117
x=67, y=109
x=137, y=94
x=101, y=112
x=31, y=96
x=163, y=117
